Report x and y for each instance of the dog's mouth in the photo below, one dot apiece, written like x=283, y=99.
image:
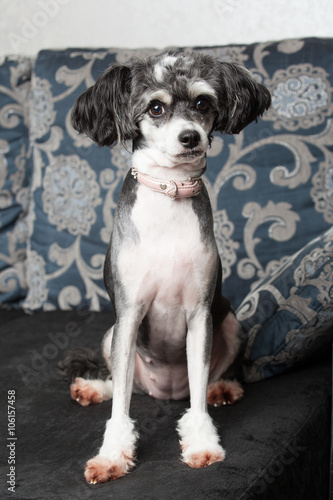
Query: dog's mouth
x=194, y=153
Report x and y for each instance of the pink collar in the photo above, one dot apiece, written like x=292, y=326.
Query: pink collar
x=173, y=189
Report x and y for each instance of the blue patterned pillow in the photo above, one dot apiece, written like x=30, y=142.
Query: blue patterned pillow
x=289, y=315
x=15, y=173
x=75, y=187
x=270, y=186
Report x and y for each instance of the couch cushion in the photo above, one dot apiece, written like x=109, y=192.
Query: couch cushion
x=270, y=186
x=279, y=429
x=15, y=174
x=75, y=187
x=289, y=314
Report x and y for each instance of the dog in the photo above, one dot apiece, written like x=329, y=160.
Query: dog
x=175, y=335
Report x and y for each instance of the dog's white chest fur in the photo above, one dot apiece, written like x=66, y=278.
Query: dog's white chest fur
x=170, y=264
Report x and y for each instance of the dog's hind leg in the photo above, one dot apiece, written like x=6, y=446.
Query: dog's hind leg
x=106, y=347
x=224, y=392
x=226, y=354
x=90, y=385
x=86, y=392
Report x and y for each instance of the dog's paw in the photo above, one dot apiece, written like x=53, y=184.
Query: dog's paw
x=203, y=458
x=224, y=392
x=101, y=469
x=86, y=392
x=199, y=440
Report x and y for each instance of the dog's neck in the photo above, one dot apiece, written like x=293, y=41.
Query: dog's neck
x=172, y=189
x=161, y=167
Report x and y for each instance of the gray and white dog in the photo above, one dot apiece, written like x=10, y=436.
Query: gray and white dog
x=175, y=334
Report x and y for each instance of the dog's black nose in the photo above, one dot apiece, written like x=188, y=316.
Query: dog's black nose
x=189, y=138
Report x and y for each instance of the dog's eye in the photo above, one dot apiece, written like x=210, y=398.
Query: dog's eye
x=156, y=109
x=202, y=104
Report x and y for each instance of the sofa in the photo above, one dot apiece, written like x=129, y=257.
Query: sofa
x=271, y=188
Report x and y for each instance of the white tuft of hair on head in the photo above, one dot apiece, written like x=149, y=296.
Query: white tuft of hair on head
x=162, y=65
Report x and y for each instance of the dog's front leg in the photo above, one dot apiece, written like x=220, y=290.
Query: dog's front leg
x=199, y=438
x=117, y=454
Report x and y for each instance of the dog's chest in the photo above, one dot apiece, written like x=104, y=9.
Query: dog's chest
x=170, y=263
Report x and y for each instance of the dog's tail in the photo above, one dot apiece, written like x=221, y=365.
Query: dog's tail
x=82, y=362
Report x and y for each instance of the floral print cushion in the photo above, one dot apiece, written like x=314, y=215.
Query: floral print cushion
x=15, y=174
x=271, y=186
x=289, y=314
x=75, y=188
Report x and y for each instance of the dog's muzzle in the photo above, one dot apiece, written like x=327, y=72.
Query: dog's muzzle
x=173, y=189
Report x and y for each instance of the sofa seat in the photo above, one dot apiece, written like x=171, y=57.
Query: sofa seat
x=276, y=438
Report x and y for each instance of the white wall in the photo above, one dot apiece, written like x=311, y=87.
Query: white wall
x=26, y=26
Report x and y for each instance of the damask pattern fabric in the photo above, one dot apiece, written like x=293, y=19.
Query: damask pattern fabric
x=15, y=174
x=75, y=188
x=271, y=186
x=289, y=314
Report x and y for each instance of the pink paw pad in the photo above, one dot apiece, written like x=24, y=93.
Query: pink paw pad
x=100, y=469
x=224, y=392
x=204, y=458
x=85, y=393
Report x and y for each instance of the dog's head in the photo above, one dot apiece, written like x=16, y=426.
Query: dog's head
x=170, y=103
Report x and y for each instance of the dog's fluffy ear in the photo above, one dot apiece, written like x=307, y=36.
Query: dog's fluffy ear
x=102, y=111
x=241, y=99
